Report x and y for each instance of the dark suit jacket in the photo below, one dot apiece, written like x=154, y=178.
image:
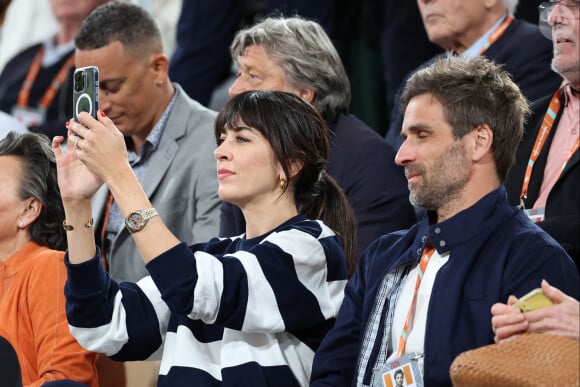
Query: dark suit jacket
x=526, y=55
x=363, y=165
x=562, y=216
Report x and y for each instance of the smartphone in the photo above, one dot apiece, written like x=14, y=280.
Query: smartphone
x=86, y=91
x=536, y=299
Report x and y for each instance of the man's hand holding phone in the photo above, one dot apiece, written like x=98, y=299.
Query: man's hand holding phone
x=545, y=310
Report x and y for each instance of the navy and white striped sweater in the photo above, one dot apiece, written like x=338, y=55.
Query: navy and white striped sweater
x=228, y=312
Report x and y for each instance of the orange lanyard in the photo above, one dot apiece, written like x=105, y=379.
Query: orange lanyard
x=545, y=129
x=425, y=258
x=499, y=31
x=33, y=71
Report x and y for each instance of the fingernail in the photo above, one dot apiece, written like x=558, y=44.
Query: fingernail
x=102, y=113
x=67, y=124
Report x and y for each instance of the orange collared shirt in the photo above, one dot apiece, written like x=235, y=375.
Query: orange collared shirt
x=33, y=319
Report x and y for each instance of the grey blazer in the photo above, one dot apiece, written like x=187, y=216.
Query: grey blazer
x=180, y=181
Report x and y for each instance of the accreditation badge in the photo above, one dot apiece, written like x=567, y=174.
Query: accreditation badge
x=29, y=116
x=535, y=214
x=404, y=371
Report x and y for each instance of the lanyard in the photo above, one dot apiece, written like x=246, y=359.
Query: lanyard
x=33, y=71
x=425, y=258
x=547, y=123
x=499, y=31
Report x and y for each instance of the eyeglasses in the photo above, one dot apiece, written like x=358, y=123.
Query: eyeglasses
x=547, y=7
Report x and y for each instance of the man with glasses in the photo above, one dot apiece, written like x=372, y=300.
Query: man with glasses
x=545, y=180
x=486, y=28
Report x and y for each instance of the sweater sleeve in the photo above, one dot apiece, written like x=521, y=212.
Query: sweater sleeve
x=126, y=321
x=59, y=356
x=270, y=286
x=336, y=358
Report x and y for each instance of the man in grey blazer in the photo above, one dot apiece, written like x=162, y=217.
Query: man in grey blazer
x=169, y=136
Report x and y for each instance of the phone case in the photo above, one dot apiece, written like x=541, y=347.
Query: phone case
x=86, y=91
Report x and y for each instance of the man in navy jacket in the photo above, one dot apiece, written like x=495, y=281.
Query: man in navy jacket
x=463, y=121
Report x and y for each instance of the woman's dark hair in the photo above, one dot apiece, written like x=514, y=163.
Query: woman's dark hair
x=39, y=180
x=296, y=131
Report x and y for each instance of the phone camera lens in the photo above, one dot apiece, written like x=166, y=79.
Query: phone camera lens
x=79, y=81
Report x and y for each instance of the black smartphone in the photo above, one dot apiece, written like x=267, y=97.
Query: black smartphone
x=86, y=91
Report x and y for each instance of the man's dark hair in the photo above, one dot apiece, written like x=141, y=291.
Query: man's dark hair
x=119, y=21
x=475, y=92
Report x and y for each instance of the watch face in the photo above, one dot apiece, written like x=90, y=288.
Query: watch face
x=135, y=221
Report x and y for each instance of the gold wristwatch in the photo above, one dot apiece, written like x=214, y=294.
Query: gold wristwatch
x=137, y=220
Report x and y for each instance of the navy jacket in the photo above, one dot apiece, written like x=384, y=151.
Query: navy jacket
x=562, y=216
x=363, y=165
x=495, y=251
x=525, y=54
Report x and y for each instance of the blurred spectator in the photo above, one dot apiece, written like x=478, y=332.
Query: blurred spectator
x=473, y=28
x=32, y=240
x=36, y=84
x=29, y=22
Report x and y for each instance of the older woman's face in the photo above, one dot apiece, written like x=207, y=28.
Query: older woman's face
x=10, y=203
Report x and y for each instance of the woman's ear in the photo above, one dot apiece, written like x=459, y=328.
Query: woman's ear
x=294, y=167
x=30, y=211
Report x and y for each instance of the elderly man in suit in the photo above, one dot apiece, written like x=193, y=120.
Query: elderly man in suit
x=487, y=28
x=169, y=136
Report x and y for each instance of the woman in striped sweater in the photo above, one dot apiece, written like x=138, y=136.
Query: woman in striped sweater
x=248, y=310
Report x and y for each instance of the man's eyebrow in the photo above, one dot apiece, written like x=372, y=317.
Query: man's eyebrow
x=416, y=128
x=107, y=82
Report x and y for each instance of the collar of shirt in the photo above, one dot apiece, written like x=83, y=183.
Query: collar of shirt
x=474, y=50
x=53, y=54
x=465, y=225
x=570, y=99
x=154, y=137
